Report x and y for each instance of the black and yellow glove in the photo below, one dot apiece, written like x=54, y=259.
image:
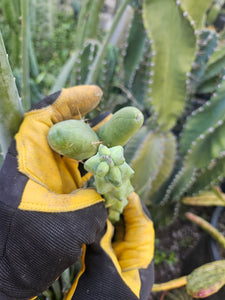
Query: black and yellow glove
x=45, y=215
x=119, y=265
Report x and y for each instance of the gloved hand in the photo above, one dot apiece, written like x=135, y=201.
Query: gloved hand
x=122, y=268
x=42, y=224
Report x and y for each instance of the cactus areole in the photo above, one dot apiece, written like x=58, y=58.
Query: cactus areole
x=103, y=152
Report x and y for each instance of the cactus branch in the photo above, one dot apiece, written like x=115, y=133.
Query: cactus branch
x=207, y=227
x=92, y=76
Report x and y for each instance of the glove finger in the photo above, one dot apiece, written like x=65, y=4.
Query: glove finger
x=34, y=153
x=137, y=248
x=72, y=102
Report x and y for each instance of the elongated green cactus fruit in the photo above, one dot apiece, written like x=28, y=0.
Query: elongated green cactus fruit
x=119, y=129
x=112, y=178
x=206, y=280
x=74, y=139
x=171, y=56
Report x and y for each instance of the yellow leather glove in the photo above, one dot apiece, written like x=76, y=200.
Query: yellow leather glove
x=45, y=215
x=119, y=265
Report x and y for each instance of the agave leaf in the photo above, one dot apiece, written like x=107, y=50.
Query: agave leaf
x=206, y=280
x=173, y=51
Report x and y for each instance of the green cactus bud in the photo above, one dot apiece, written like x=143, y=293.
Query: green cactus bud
x=117, y=155
x=74, y=139
x=114, y=176
x=102, y=169
x=126, y=170
x=119, y=129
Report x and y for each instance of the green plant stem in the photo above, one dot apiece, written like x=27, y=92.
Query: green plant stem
x=25, y=55
x=213, y=232
x=93, y=74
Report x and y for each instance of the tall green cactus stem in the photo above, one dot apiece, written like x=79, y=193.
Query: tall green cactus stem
x=202, y=149
x=206, y=280
x=11, y=111
x=85, y=59
x=93, y=19
x=215, y=65
x=25, y=55
x=139, y=81
x=173, y=51
x=93, y=74
x=155, y=150
x=207, y=43
x=197, y=10
x=11, y=14
x=136, y=46
x=107, y=75
x=210, y=176
x=112, y=178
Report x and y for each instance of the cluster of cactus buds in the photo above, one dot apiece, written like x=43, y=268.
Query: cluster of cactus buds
x=112, y=178
x=103, y=152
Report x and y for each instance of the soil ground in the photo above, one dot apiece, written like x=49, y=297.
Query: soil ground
x=183, y=246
